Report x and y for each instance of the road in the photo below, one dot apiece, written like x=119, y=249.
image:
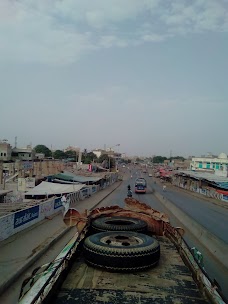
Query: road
x=213, y=217
x=206, y=213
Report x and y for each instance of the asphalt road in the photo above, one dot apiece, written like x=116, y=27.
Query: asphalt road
x=211, y=216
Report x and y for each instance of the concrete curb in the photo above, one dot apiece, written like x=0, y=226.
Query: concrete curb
x=213, y=244
x=36, y=256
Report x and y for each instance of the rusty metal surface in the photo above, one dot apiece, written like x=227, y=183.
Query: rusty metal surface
x=155, y=219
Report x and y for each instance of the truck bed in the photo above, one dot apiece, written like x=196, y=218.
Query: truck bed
x=168, y=282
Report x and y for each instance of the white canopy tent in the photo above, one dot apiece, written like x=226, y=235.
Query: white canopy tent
x=47, y=188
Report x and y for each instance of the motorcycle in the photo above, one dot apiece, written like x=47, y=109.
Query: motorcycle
x=129, y=192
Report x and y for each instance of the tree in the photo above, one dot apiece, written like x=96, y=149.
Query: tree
x=59, y=154
x=106, y=160
x=177, y=157
x=43, y=149
x=71, y=154
x=159, y=159
x=88, y=158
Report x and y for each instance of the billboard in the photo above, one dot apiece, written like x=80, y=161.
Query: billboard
x=24, y=216
x=27, y=165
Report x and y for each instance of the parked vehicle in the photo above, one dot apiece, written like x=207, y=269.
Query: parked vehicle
x=122, y=255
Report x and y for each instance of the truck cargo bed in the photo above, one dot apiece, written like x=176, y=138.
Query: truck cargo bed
x=168, y=282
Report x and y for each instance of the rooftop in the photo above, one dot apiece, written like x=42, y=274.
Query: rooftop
x=219, y=181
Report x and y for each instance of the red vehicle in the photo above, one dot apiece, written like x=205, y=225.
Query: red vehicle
x=140, y=185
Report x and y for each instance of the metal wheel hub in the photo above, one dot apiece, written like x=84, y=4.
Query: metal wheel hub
x=121, y=240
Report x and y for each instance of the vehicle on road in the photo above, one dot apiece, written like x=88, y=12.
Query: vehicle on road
x=122, y=255
x=129, y=192
x=140, y=185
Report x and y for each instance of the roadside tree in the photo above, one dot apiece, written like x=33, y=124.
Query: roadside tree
x=59, y=154
x=43, y=149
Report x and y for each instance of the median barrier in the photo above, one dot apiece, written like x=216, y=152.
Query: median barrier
x=217, y=247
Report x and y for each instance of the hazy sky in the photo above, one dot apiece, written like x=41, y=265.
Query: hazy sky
x=150, y=75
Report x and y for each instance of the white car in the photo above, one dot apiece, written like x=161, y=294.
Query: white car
x=150, y=174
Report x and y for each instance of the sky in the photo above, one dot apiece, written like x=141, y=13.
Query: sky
x=149, y=75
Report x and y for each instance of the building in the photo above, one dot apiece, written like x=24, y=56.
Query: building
x=71, y=148
x=209, y=163
x=5, y=151
x=23, y=153
x=177, y=163
x=99, y=152
x=39, y=156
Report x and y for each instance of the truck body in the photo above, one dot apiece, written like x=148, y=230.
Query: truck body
x=74, y=277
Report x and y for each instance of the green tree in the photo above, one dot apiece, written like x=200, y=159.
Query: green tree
x=88, y=158
x=177, y=157
x=159, y=159
x=43, y=149
x=59, y=154
x=71, y=154
x=106, y=160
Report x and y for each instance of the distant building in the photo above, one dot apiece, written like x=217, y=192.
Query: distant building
x=177, y=163
x=5, y=151
x=209, y=163
x=39, y=156
x=99, y=152
x=23, y=153
x=71, y=148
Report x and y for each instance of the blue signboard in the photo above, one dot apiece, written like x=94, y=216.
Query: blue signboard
x=85, y=192
x=24, y=216
x=27, y=165
x=57, y=203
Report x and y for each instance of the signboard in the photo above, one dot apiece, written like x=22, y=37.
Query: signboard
x=27, y=165
x=24, y=216
x=30, y=182
x=57, y=203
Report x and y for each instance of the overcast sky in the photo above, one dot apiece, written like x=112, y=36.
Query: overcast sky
x=150, y=75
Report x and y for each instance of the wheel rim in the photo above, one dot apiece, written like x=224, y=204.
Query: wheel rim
x=119, y=240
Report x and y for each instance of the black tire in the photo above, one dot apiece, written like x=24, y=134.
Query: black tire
x=121, y=251
x=118, y=223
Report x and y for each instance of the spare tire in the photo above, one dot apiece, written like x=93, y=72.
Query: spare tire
x=118, y=223
x=121, y=251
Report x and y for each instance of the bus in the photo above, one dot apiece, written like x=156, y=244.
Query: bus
x=140, y=185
